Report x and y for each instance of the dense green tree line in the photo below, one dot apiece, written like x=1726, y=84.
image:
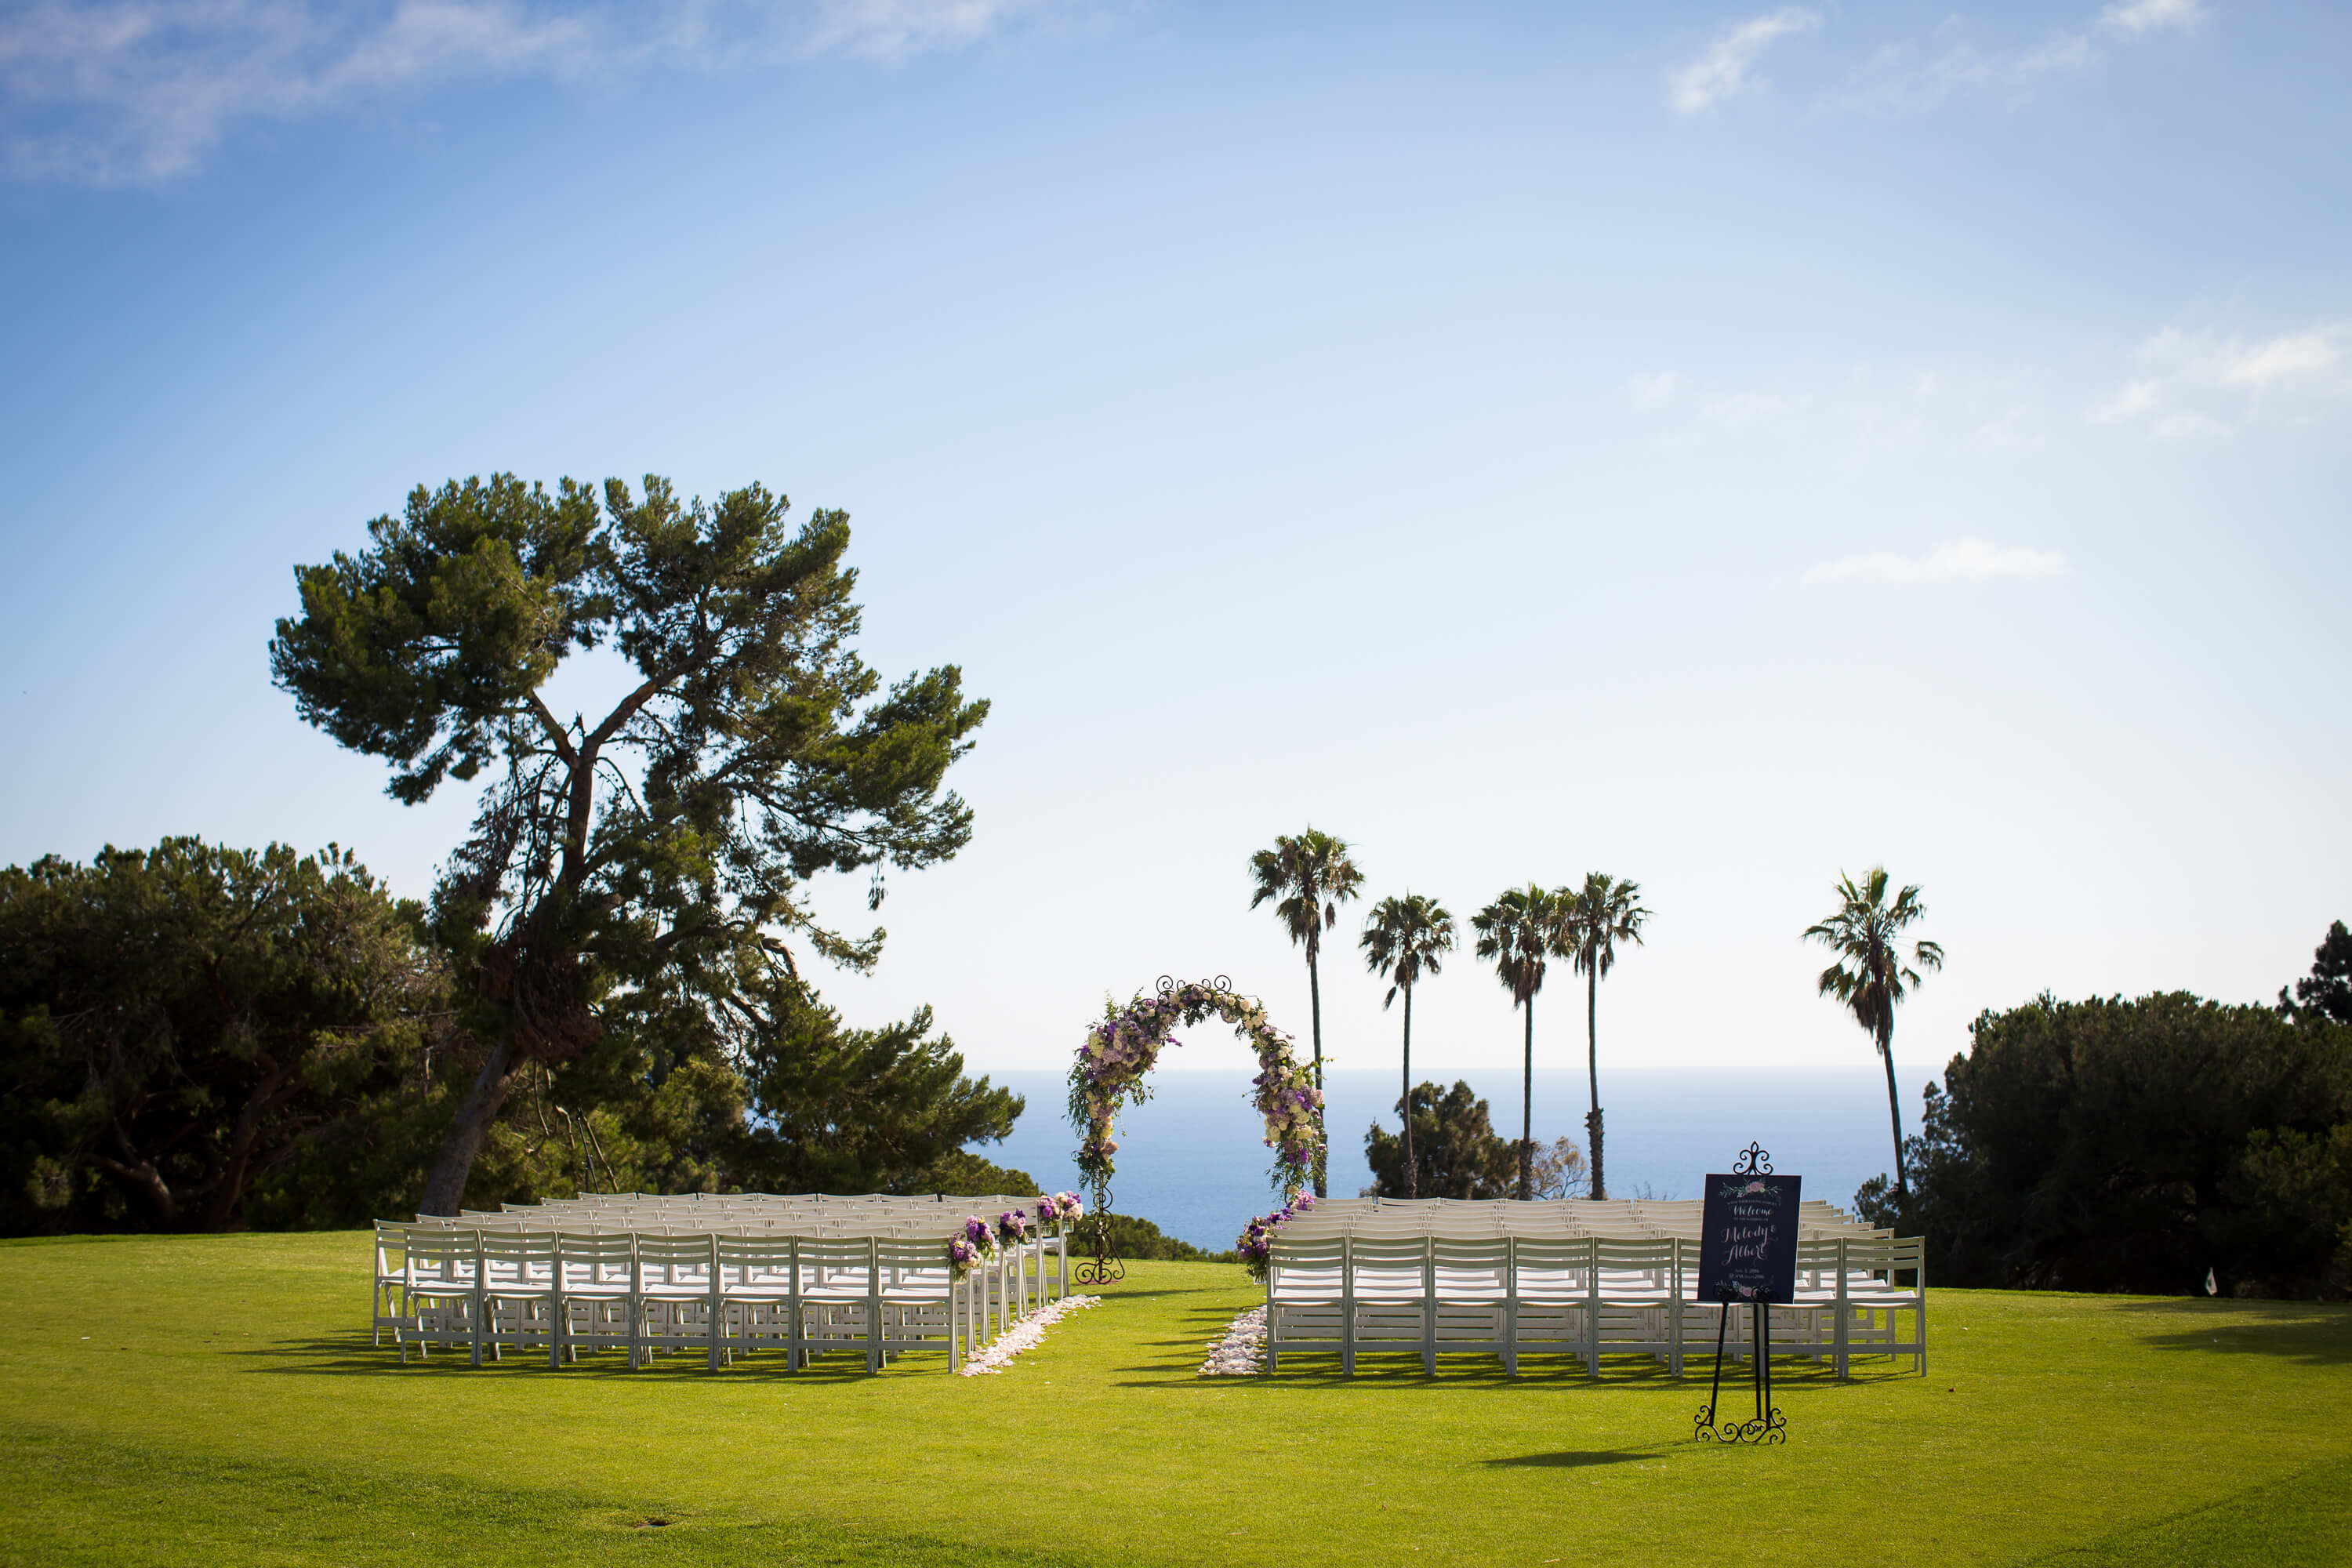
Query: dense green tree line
x=2163, y=1145
x=199, y=1038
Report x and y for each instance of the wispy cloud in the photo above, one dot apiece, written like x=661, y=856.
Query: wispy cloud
x=144, y=89
x=1724, y=70
x=1863, y=404
x=2191, y=384
x=2152, y=15
x=1925, y=72
x=903, y=26
x=1959, y=560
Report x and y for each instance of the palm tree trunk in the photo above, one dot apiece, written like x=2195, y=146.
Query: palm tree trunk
x=1528, y=1112
x=1592, y=1071
x=1894, y=1101
x=1315, y=1008
x=1412, y=1181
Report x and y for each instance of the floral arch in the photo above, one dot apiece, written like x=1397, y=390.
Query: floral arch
x=1121, y=1050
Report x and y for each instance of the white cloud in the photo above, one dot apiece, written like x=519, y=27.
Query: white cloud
x=2152, y=15
x=1723, y=70
x=143, y=90
x=2192, y=384
x=1903, y=77
x=901, y=26
x=1922, y=73
x=1862, y=406
x=1960, y=561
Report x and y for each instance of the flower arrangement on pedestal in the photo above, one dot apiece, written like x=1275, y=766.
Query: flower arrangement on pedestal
x=1058, y=1211
x=975, y=1247
x=1256, y=1243
x=1121, y=1050
x=1013, y=1227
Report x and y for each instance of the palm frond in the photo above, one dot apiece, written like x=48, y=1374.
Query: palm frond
x=1404, y=939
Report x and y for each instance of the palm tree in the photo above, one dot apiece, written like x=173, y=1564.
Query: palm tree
x=1517, y=930
x=1309, y=876
x=1601, y=914
x=1403, y=939
x=1870, y=976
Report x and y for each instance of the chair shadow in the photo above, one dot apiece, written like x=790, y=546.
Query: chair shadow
x=351, y=1356
x=1310, y=1371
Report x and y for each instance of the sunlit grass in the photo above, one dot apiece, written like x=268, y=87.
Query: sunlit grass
x=207, y=1400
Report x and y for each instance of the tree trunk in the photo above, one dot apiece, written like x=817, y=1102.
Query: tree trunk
x=228, y=1188
x=1315, y=1012
x=1894, y=1104
x=148, y=1180
x=1592, y=1071
x=1528, y=1112
x=1411, y=1177
x=453, y=1163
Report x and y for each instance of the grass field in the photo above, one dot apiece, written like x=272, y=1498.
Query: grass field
x=203, y=1400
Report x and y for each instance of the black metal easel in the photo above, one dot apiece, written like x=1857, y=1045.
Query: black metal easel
x=1768, y=1425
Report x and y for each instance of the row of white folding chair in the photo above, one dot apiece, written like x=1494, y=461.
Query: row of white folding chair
x=1631, y=1269
x=442, y=1261
x=1538, y=1296
x=1507, y=1222
x=1668, y=1216
x=762, y=1203
x=494, y=1290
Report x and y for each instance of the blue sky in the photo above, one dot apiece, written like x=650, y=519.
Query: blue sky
x=1717, y=446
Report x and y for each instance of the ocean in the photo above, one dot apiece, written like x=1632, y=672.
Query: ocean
x=1190, y=1159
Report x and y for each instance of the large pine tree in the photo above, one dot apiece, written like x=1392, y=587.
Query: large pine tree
x=650, y=858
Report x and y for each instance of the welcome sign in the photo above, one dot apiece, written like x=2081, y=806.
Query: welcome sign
x=1748, y=1242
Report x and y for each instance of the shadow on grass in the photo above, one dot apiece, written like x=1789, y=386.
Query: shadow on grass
x=1117, y=1292
x=2316, y=1333
x=1319, y=1371
x=351, y=1356
x=1573, y=1459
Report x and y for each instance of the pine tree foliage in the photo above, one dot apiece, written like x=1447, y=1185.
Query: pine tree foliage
x=652, y=856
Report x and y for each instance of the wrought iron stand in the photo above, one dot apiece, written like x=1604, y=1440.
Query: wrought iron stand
x=1103, y=1266
x=1768, y=1425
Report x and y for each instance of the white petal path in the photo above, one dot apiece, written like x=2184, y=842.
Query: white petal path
x=1025, y=1335
x=1242, y=1352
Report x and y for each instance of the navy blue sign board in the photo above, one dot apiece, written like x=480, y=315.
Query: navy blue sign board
x=1747, y=1239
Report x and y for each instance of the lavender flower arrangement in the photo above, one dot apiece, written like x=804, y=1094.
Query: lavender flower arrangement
x=1013, y=1226
x=1256, y=1243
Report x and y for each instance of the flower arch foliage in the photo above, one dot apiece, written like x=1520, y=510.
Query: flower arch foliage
x=1121, y=1050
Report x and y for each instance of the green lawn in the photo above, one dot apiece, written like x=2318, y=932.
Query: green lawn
x=203, y=1400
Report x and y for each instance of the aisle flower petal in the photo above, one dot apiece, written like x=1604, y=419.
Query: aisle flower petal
x=1242, y=1351
x=1022, y=1336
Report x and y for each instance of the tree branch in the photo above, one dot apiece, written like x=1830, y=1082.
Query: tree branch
x=555, y=731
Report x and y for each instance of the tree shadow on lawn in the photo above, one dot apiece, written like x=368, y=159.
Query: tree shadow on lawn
x=1116, y=1292
x=2316, y=1333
